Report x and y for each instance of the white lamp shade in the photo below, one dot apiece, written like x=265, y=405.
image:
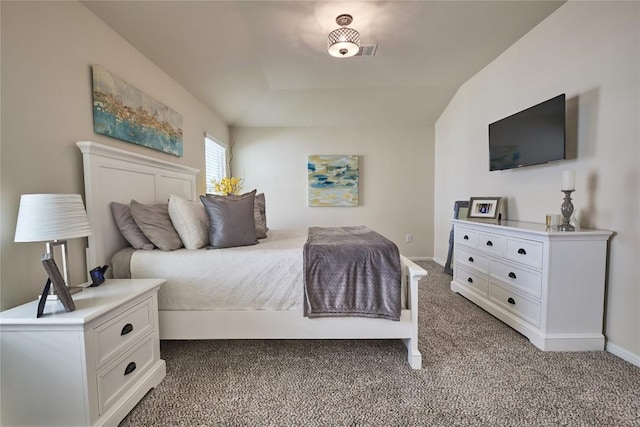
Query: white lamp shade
x=46, y=217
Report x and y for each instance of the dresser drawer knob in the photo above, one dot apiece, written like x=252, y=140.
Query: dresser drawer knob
x=127, y=329
x=489, y=243
x=511, y=301
x=522, y=251
x=470, y=280
x=470, y=259
x=466, y=237
x=130, y=368
x=512, y=275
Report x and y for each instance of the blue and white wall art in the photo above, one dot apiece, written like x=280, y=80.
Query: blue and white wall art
x=121, y=111
x=333, y=180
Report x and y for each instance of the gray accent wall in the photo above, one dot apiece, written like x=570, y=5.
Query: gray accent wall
x=47, y=51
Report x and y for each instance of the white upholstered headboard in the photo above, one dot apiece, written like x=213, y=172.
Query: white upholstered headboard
x=115, y=175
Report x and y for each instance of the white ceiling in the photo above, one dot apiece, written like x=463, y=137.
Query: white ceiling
x=265, y=63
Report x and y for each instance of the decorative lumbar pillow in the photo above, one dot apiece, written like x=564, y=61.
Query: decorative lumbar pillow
x=259, y=212
x=155, y=223
x=128, y=227
x=190, y=221
x=261, y=223
x=231, y=220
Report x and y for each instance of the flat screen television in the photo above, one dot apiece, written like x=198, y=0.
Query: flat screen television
x=531, y=137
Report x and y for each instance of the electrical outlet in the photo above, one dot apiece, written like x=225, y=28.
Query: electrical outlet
x=409, y=238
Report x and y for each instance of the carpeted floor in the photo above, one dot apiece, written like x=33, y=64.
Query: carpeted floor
x=476, y=372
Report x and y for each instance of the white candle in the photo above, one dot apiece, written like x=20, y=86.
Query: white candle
x=568, y=180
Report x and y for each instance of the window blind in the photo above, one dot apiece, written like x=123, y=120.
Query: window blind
x=216, y=161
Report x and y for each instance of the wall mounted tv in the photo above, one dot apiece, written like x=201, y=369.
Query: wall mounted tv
x=531, y=137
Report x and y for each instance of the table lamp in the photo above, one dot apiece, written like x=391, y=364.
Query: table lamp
x=52, y=218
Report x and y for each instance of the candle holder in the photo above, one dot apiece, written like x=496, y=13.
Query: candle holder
x=566, y=209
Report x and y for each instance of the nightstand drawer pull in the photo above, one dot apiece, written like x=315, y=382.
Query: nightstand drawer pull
x=127, y=329
x=521, y=251
x=512, y=275
x=130, y=368
x=511, y=301
x=466, y=237
x=489, y=243
x=470, y=259
x=470, y=280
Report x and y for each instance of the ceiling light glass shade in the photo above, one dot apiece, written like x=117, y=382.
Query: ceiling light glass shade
x=45, y=217
x=343, y=42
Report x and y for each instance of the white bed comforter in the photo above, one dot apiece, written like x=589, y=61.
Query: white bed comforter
x=266, y=276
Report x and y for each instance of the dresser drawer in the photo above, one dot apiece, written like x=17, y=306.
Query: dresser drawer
x=524, y=251
x=474, y=281
x=113, y=336
x=472, y=259
x=521, y=306
x=466, y=237
x=491, y=244
x=520, y=278
x=115, y=379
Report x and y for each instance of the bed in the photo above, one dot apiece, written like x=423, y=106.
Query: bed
x=112, y=174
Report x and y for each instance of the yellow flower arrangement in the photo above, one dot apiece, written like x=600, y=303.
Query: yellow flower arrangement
x=227, y=186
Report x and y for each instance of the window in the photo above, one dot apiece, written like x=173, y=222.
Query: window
x=216, y=161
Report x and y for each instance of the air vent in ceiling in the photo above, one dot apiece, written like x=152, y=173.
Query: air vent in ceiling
x=367, y=50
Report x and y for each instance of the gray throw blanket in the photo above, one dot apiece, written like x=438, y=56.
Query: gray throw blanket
x=351, y=271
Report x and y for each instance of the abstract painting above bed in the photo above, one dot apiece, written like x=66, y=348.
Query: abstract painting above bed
x=121, y=111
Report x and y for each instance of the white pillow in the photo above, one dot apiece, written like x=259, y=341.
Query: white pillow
x=190, y=221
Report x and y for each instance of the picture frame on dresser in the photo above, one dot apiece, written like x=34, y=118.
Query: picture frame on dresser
x=460, y=209
x=485, y=208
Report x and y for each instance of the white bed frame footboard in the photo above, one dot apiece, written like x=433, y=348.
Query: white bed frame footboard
x=291, y=324
x=111, y=174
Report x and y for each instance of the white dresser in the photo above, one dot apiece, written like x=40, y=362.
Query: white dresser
x=86, y=367
x=547, y=285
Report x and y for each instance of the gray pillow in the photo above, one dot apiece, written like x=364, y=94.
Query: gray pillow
x=261, y=223
x=155, y=223
x=259, y=212
x=128, y=227
x=231, y=220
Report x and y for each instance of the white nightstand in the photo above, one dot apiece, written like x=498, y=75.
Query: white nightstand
x=86, y=367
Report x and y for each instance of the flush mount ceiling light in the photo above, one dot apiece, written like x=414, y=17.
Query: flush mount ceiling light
x=343, y=42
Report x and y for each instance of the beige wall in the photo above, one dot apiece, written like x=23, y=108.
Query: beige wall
x=396, y=178
x=590, y=51
x=47, y=50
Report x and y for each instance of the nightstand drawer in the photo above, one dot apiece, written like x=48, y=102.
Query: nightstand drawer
x=115, y=379
x=113, y=336
x=523, y=307
x=472, y=259
x=525, y=280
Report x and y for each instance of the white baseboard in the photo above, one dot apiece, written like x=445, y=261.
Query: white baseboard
x=420, y=258
x=634, y=359
x=438, y=261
